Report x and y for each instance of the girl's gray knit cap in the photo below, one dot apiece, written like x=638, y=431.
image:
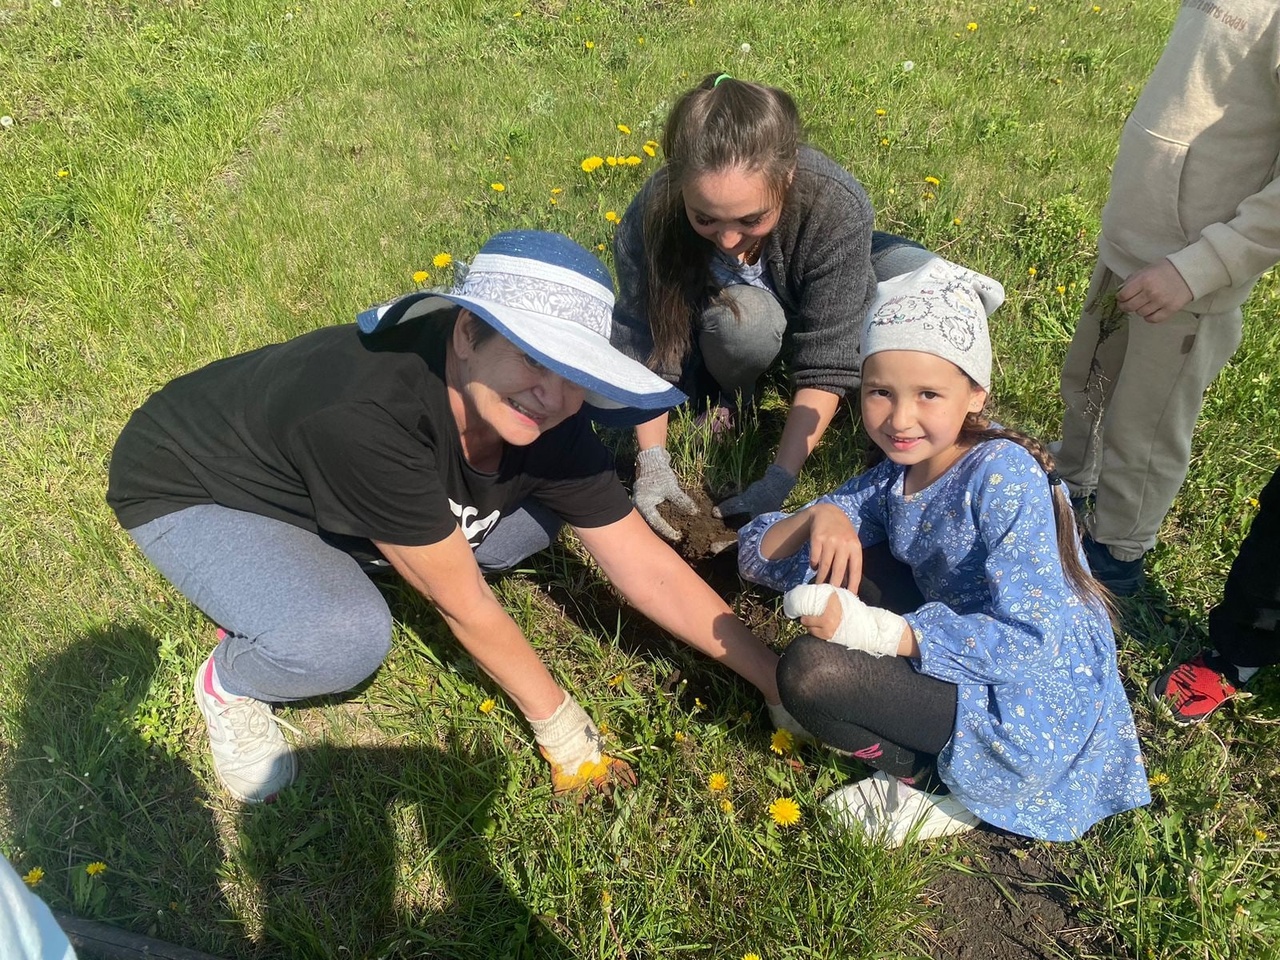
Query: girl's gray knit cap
x=940, y=308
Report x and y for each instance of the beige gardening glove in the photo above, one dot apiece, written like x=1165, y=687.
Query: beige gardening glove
x=572, y=745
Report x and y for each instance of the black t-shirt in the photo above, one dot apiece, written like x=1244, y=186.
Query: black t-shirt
x=343, y=434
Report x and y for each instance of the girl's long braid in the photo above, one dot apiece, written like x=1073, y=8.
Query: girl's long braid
x=977, y=428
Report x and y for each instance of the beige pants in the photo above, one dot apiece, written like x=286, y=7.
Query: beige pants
x=1132, y=392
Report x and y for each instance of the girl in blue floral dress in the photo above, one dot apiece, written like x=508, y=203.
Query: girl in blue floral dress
x=998, y=699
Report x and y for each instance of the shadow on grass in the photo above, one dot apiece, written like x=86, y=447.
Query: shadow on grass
x=376, y=851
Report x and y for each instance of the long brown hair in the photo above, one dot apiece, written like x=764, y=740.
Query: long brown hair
x=721, y=124
x=977, y=428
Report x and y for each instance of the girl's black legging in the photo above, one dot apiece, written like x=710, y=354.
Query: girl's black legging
x=878, y=709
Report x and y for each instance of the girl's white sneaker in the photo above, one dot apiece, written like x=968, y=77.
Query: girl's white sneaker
x=891, y=812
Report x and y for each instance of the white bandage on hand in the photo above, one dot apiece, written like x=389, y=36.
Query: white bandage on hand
x=873, y=630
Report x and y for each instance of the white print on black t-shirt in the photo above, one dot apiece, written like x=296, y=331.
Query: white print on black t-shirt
x=474, y=530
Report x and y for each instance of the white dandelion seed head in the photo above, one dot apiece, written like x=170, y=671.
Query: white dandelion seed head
x=745, y=48
x=6, y=122
x=908, y=66
x=56, y=3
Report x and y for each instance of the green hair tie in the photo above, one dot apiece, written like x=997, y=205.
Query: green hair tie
x=723, y=76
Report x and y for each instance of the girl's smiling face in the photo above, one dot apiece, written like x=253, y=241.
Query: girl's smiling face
x=914, y=406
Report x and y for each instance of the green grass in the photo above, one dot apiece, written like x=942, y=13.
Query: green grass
x=183, y=181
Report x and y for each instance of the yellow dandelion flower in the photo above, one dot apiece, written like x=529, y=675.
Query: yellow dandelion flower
x=1158, y=779
x=96, y=868
x=611, y=161
x=1253, y=501
x=751, y=956
x=556, y=191
x=678, y=737
x=1031, y=9
x=881, y=112
x=623, y=128
x=1258, y=835
x=592, y=163
x=590, y=45
x=33, y=876
x=971, y=26
x=1061, y=289
x=726, y=806
x=419, y=276
x=933, y=181
x=1097, y=9
x=441, y=260
x=604, y=728
x=649, y=150
x=957, y=221
x=698, y=704
x=633, y=161
x=884, y=141
x=555, y=202
x=497, y=187
x=640, y=40
x=782, y=742
x=600, y=246
x=652, y=143
x=785, y=812
x=1031, y=271
x=487, y=705
x=617, y=680
x=612, y=216
x=62, y=174
x=518, y=13
x=717, y=782
x=928, y=195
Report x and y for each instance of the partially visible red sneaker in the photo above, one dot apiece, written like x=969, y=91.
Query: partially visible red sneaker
x=1195, y=689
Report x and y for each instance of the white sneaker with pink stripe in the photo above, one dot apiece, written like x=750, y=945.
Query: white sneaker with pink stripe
x=250, y=756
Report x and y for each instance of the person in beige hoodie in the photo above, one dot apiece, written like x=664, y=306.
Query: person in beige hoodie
x=1192, y=221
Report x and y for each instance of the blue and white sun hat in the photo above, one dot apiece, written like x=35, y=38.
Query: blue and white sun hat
x=554, y=300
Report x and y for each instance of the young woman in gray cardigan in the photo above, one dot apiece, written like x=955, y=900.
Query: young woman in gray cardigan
x=744, y=244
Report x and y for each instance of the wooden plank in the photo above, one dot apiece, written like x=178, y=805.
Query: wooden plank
x=100, y=941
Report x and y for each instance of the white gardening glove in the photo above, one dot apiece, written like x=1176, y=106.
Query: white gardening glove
x=571, y=743
x=871, y=629
x=782, y=719
x=656, y=483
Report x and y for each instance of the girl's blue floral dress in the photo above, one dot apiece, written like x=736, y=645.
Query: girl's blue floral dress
x=1044, y=743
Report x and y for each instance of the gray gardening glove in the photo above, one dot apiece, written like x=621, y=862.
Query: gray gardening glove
x=656, y=483
x=764, y=496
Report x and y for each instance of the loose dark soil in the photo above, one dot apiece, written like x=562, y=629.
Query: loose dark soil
x=1007, y=898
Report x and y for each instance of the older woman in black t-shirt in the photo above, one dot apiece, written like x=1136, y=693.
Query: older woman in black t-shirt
x=435, y=424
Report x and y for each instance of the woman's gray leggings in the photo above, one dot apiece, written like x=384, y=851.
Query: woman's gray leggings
x=301, y=617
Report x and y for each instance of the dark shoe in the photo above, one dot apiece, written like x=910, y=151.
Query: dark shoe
x=1195, y=689
x=1124, y=578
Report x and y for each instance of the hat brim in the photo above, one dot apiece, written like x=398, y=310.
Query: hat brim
x=612, y=380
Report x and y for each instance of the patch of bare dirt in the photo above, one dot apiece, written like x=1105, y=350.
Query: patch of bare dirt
x=1007, y=899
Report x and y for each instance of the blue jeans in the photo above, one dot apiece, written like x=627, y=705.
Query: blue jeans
x=301, y=617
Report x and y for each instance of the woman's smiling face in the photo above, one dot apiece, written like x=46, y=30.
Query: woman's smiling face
x=733, y=209
x=510, y=392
